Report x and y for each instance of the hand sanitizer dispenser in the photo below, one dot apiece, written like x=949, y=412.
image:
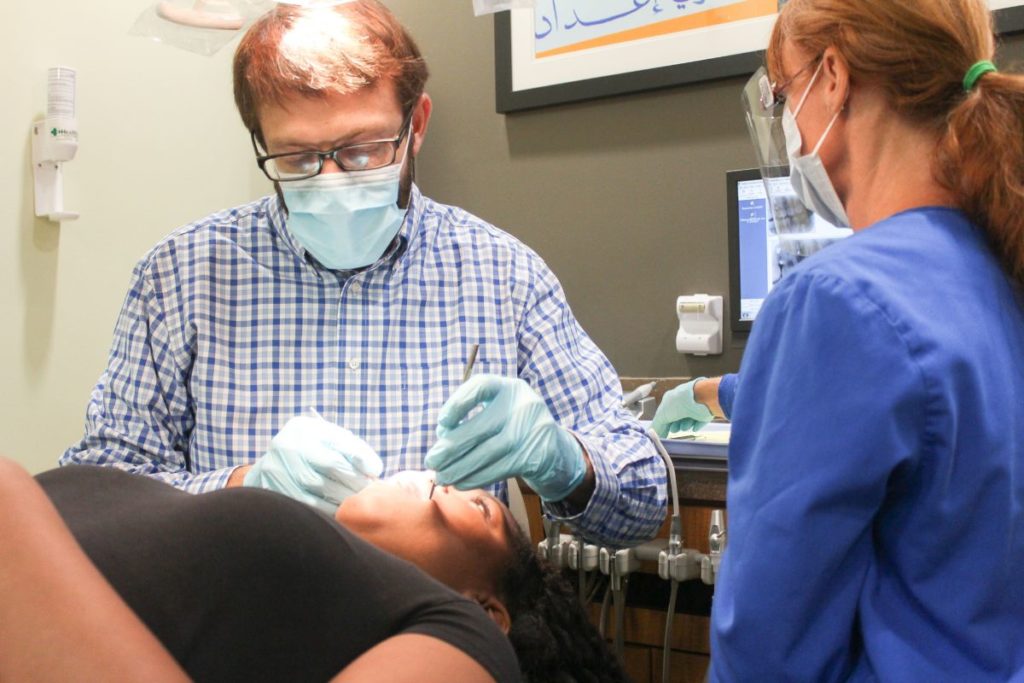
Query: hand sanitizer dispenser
x=700, y=324
x=55, y=141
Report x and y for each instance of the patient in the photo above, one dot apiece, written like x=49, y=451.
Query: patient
x=247, y=584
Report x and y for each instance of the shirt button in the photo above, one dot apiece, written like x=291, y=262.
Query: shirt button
x=354, y=364
x=355, y=288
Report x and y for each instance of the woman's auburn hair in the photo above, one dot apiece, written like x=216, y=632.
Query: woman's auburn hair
x=918, y=52
x=310, y=52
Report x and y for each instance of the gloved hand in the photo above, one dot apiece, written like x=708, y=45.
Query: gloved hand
x=513, y=434
x=316, y=462
x=679, y=411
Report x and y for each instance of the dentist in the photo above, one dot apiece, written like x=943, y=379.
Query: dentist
x=350, y=292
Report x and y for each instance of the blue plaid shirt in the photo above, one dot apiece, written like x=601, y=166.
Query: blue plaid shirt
x=229, y=329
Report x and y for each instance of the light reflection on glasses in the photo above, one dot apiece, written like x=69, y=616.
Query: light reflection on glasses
x=358, y=156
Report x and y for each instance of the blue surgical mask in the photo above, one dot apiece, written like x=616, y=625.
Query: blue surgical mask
x=346, y=220
x=807, y=173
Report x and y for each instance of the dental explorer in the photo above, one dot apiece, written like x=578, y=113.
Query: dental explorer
x=465, y=376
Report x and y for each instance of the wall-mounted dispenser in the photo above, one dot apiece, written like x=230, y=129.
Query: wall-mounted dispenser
x=700, y=324
x=55, y=141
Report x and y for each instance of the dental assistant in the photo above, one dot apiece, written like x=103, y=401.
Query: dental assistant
x=352, y=293
x=876, y=483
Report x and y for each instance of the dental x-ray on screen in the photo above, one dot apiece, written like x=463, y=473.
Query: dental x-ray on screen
x=764, y=245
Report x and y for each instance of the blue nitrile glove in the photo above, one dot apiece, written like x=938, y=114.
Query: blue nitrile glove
x=316, y=462
x=679, y=411
x=513, y=434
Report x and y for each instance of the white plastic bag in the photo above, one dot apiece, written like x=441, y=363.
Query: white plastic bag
x=491, y=6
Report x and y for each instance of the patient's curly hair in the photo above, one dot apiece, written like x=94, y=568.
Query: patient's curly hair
x=552, y=636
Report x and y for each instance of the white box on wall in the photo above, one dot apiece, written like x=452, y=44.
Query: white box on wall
x=700, y=324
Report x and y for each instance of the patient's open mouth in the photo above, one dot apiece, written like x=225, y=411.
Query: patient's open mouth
x=417, y=483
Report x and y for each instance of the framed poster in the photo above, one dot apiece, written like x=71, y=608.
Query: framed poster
x=572, y=50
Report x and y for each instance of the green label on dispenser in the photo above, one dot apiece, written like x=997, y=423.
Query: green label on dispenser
x=64, y=133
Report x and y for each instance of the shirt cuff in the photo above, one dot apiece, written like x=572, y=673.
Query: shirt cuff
x=208, y=481
x=727, y=393
x=604, y=480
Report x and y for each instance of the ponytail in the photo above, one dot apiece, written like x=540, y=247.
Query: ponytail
x=981, y=160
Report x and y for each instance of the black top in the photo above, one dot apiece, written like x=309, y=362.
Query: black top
x=246, y=584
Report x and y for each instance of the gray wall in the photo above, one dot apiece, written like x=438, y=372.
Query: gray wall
x=623, y=197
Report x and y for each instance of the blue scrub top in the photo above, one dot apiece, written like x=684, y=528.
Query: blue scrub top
x=876, y=484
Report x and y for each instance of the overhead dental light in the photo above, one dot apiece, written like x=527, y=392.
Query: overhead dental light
x=206, y=26
x=215, y=14
x=199, y=26
x=313, y=3
x=226, y=15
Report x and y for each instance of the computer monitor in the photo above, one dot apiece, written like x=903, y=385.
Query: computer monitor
x=759, y=254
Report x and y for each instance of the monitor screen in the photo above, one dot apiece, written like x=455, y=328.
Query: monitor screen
x=759, y=254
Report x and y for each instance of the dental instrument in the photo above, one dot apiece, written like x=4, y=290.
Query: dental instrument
x=638, y=394
x=469, y=363
x=467, y=371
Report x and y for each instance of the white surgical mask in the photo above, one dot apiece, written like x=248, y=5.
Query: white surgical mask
x=346, y=220
x=806, y=173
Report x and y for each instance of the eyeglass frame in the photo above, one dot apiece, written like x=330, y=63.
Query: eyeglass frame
x=777, y=91
x=322, y=157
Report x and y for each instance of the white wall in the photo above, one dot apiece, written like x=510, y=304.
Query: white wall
x=160, y=145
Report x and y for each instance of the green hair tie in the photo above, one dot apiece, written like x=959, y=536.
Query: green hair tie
x=976, y=72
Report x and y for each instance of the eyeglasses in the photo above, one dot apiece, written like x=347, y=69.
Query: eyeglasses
x=773, y=95
x=359, y=156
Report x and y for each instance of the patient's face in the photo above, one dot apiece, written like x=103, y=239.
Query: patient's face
x=458, y=537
